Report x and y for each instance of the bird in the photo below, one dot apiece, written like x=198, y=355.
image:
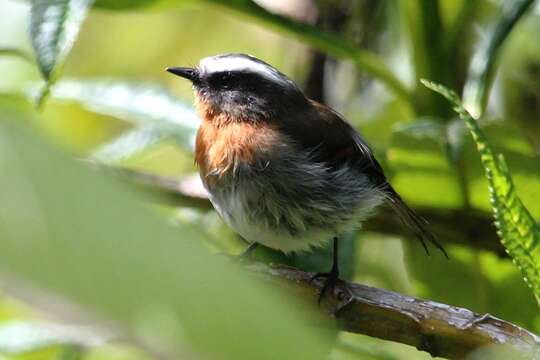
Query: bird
x=283, y=170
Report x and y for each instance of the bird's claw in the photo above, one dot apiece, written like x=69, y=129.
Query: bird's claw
x=344, y=295
x=331, y=279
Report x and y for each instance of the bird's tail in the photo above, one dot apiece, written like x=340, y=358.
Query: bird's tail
x=412, y=220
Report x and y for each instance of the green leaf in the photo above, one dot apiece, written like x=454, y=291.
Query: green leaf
x=519, y=232
x=480, y=74
x=455, y=139
x=128, y=144
x=54, y=26
x=134, y=4
x=24, y=336
x=425, y=127
x=148, y=105
x=449, y=134
x=86, y=237
x=7, y=51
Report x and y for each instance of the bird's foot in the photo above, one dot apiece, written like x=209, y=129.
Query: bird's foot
x=334, y=286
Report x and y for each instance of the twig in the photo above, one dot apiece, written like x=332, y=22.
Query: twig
x=440, y=329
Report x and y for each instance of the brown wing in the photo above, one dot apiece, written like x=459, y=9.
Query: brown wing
x=335, y=142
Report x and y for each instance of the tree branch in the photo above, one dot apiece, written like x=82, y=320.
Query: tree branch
x=471, y=228
x=441, y=330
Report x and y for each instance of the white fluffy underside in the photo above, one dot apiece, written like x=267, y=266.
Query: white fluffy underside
x=273, y=238
x=291, y=203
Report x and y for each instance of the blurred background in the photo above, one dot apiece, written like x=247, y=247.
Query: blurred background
x=115, y=104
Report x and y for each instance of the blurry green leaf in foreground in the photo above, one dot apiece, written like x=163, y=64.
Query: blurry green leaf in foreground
x=128, y=144
x=152, y=108
x=54, y=26
x=21, y=54
x=519, y=232
x=82, y=235
x=24, y=336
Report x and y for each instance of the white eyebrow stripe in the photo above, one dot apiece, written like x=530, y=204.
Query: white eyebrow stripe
x=239, y=63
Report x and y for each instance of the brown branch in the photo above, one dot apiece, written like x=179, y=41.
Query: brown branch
x=441, y=330
x=465, y=227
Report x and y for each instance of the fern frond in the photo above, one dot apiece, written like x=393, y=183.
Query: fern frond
x=517, y=229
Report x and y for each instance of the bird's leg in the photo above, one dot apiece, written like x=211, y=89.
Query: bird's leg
x=332, y=278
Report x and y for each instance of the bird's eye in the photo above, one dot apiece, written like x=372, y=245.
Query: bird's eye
x=225, y=77
x=224, y=80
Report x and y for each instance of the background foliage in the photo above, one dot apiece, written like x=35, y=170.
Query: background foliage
x=96, y=71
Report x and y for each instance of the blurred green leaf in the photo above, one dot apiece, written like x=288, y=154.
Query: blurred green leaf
x=117, y=352
x=364, y=350
x=482, y=66
x=128, y=144
x=519, y=232
x=333, y=44
x=455, y=139
x=124, y=4
x=137, y=4
x=54, y=26
x=519, y=72
x=150, y=106
x=86, y=236
x=425, y=27
x=499, y=352
x=423, y=128
x=453, y=36
x=71, y=352
x=421, y=172
x=23, y=336
x=451, y=134
x=425, y=30
x=480, y=281
x=6, y=51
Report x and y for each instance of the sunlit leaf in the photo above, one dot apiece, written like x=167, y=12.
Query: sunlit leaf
x=24, y=336
x=54, y=26
x=455, y=139
x=87, y=237
x=423, y=128
x=450, y=134
x=519, y=232
x=128, y=144
x=480, y=74
x=144, y=104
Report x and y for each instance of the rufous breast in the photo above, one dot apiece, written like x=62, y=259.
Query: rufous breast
x=224, y=144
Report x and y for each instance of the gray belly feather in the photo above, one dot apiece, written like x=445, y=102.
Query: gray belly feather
x=292, y=203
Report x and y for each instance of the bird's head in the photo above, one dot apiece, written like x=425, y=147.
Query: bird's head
x=241, y=87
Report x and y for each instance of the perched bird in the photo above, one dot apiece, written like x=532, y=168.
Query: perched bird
x=282, y=170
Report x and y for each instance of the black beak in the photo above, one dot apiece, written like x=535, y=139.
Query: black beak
x=185, y=72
